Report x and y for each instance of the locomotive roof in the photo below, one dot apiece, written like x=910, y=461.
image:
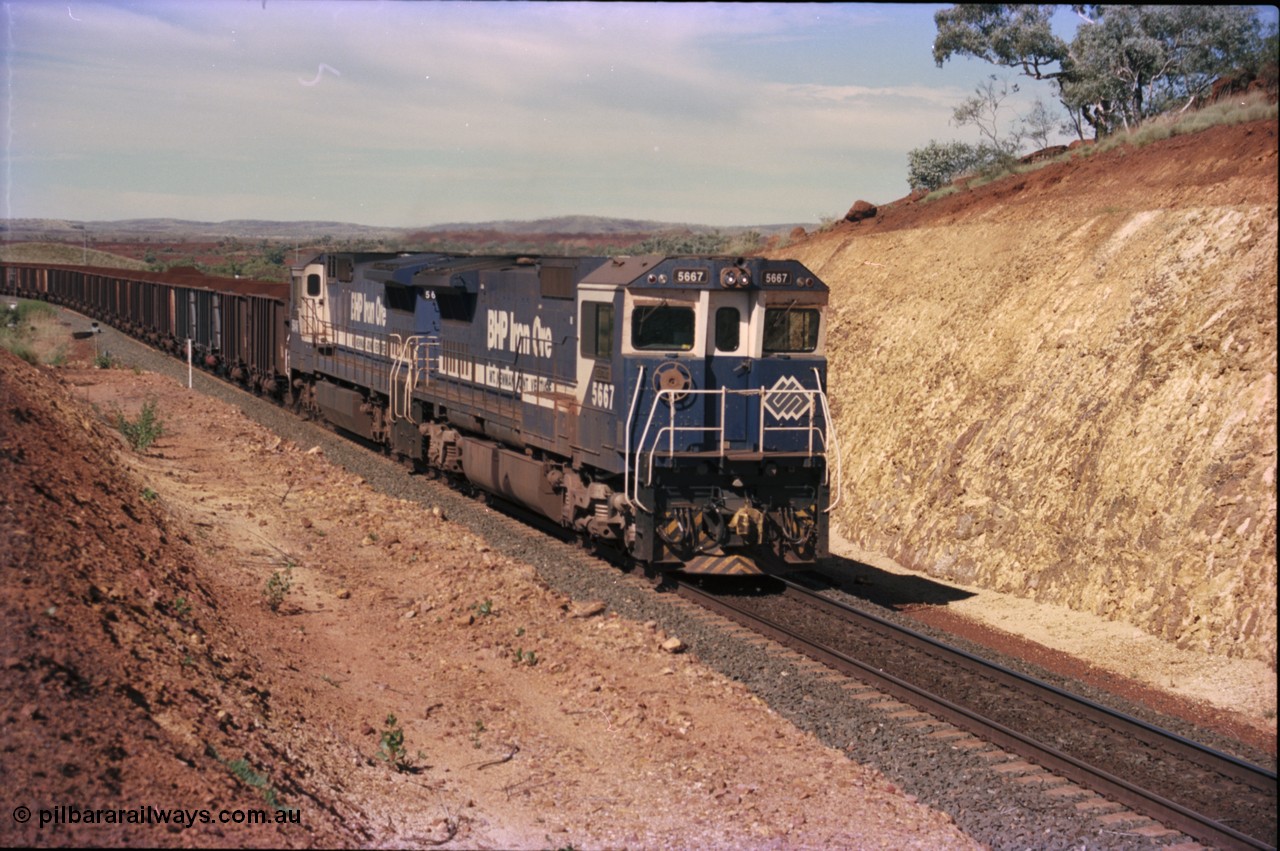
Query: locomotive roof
x=438, y=270
x=620, y=271
x=656, y=270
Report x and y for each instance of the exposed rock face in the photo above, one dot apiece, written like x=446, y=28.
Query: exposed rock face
x=1043, y=154
x=859, y=211
x=1064, y=385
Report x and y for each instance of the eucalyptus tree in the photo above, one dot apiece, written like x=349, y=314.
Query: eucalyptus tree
x=1124, y=64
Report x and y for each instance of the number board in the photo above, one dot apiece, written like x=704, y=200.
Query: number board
x=776, y=278
x=690, y=276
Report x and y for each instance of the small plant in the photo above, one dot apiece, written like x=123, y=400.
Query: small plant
x=58, y=357
x=143, y=431
x=391, y=747
x=475, y=735
x=181, y=608
x=526, y=657
x=277, y=587
x=483, y=609
x=244, y=772
x=148, y=495
x=103, y=360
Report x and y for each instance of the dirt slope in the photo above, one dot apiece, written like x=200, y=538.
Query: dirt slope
x=143, y=667
x=1063, y=385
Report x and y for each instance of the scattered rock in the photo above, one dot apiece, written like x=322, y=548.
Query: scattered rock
x=673, y=645
x=343, y=594
x=859, y=211
x=587, y=610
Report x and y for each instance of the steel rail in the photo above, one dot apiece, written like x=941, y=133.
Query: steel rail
x=1201, y=827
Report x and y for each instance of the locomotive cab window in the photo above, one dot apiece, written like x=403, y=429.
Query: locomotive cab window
x=662, y=327
x=313, y=285
x=790, y=329
x=597, y=330
x=727, y=329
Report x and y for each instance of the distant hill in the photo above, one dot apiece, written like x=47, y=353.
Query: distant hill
x=16, y=230
x=46, y=252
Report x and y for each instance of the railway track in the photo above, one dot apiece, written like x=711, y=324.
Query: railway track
x=1213, y=797
x=804, y=698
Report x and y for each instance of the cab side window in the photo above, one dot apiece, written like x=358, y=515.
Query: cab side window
x=597, y=330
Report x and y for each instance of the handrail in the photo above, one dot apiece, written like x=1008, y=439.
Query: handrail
x=626, y=446
x=835, y=447
x=396, y=344
x=820, y=437
x=407, y=357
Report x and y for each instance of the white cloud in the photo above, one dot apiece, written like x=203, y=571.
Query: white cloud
x=521, y=109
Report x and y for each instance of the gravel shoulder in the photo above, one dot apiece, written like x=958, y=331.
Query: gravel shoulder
x=143, y=639
x=537, y=704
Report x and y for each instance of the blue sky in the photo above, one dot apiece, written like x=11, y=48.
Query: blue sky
x=406, y=114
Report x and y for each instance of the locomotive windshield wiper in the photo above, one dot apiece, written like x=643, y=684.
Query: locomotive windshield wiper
x=646, y=313
x=778, y=320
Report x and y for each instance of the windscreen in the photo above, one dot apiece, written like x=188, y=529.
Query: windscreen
x=790, y=329
x=662, y=327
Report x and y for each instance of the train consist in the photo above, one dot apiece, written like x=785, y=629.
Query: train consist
x=673, y=408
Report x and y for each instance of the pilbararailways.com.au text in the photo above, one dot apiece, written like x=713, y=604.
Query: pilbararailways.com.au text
x=71, y=814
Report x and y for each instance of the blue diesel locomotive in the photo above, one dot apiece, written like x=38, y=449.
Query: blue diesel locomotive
x=671, y=407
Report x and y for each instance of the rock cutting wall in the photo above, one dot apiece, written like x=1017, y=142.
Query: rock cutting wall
x=1065, y=387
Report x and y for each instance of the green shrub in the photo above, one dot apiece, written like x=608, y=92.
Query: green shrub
x=21, y=350
x=143, y=431
x=391, y=747
x=58, y=357
x=277, y=587
x=940, y=163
